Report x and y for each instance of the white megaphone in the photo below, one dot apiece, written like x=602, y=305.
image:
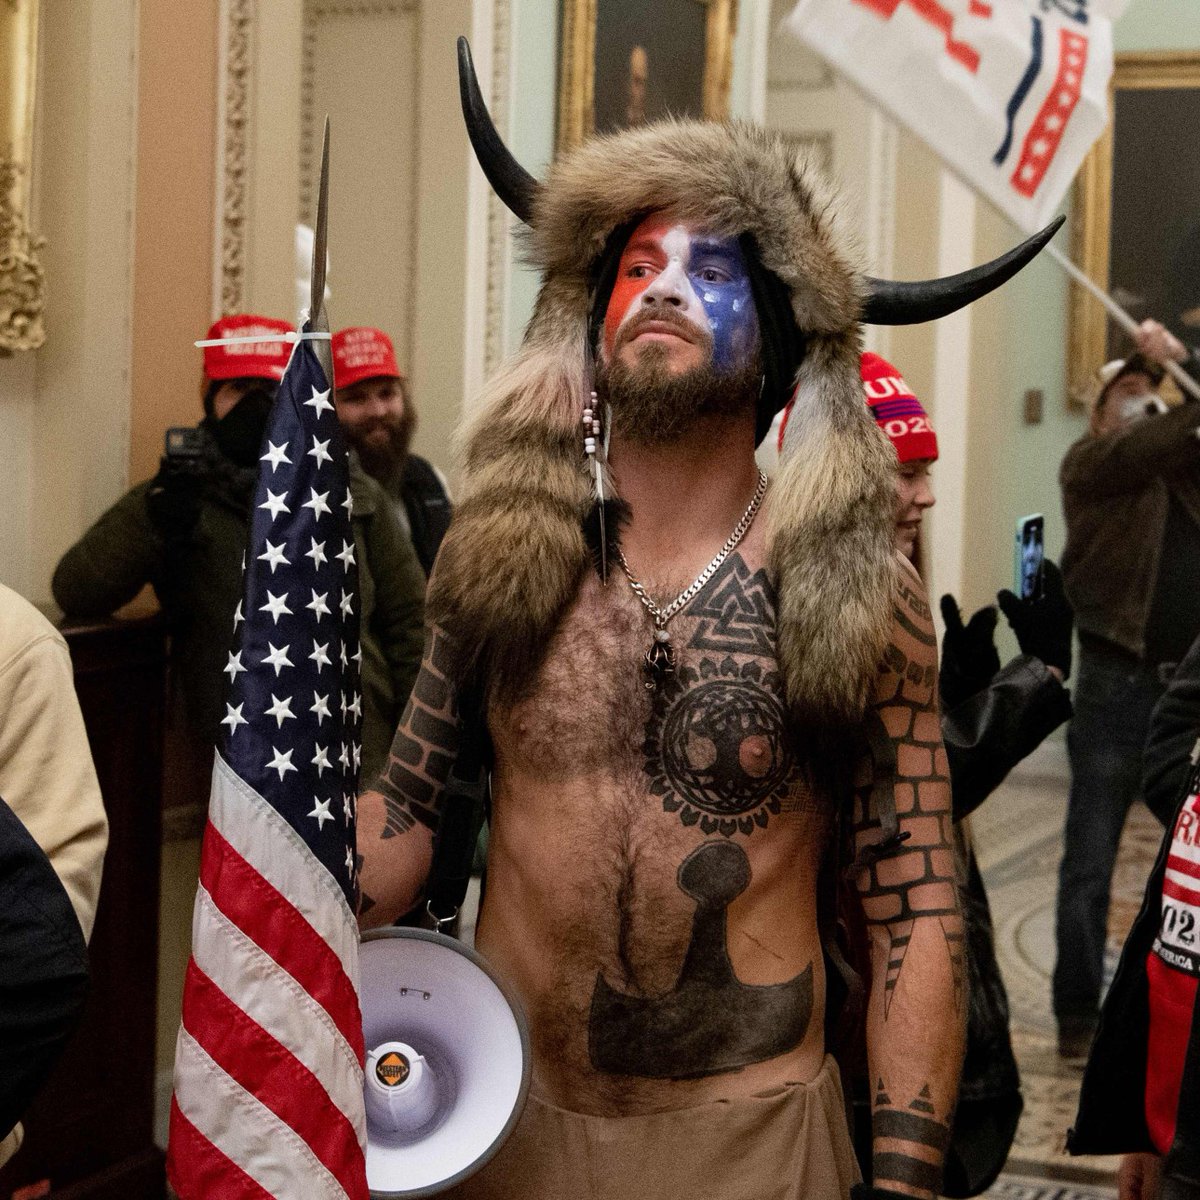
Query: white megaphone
x=448, y=1062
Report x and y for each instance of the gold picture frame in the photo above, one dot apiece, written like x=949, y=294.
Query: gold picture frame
x=22, y=279
x=1091, y=227
x=577, y=74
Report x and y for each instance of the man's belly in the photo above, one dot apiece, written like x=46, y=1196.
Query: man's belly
x=659, y=966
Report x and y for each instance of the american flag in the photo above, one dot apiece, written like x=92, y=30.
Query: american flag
x=269, y=1060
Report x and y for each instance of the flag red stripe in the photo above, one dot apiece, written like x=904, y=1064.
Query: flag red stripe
x=275, y=1077
x=1183, y=865
x=1178, y=892
x=199, y=1171
x=267, y=917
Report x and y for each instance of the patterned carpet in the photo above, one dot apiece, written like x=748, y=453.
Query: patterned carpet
x=1017, y=836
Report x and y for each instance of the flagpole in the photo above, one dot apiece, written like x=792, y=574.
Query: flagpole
x=1122, y=318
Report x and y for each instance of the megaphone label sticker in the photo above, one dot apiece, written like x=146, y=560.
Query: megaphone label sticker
x=392, y=1069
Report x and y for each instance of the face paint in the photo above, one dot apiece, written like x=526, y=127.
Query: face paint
x=690, y=279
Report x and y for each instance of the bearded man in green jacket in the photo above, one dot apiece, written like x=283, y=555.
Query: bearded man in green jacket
x=184, y=532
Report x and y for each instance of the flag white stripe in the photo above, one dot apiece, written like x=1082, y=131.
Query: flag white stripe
x=277, y=852
x=244, y=1129
x=273, y=999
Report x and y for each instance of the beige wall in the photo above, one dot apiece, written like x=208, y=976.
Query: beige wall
x=176, y=140
x=64, y=409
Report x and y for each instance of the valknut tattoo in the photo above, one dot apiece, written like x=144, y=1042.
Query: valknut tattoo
x=710, y=1022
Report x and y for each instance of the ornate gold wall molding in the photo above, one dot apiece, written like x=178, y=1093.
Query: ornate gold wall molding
x=234, y=165
x=22, y=278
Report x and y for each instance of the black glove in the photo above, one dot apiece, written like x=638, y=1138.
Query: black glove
x=174, y=499
x=864, y=1191
x=969, y=657
x=1043, y=623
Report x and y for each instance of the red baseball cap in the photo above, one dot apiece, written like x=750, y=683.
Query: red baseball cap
x=896, y=410
x=248, y=360
x=362, y=353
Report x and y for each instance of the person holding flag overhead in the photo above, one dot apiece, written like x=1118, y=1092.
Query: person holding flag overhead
x=184, y=532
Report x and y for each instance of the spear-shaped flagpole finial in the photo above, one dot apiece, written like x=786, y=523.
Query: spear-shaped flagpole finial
x=318, y=318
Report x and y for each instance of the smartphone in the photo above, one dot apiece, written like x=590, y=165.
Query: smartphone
x=183, y=443
x=1027, y=560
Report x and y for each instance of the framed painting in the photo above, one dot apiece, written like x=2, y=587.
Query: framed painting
x=625, y=62
x=1136, y=228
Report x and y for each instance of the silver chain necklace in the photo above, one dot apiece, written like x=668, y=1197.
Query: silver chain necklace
x=660, y=659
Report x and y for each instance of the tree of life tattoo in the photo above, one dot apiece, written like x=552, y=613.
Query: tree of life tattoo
x=424, y=748
x=717, y=748
x=709, y=1022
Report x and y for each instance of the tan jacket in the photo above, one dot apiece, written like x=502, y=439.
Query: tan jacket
x=1115, y=491
x=46, y=772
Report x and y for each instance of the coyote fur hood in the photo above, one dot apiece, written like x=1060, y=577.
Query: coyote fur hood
x=515, y=553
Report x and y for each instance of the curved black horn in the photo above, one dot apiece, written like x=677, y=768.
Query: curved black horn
x=512, y=183
x=891, y=303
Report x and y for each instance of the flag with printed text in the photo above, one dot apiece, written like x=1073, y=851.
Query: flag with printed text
x=1011, y=94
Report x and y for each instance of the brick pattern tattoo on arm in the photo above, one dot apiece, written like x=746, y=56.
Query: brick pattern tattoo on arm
x=424, y=748
x=919, y=880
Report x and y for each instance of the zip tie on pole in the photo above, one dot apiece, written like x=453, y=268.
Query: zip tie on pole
x=309, y=336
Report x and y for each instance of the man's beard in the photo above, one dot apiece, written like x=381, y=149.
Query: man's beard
x=384, y=459
x=653, y=405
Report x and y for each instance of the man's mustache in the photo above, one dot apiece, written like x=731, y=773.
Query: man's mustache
x=667, y=316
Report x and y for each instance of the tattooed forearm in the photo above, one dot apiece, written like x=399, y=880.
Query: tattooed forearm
x=910, y=1143
x=907, y=883
x=424, y=748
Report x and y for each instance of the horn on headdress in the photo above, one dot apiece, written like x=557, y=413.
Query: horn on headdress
x=892, y=303
x=511, y=182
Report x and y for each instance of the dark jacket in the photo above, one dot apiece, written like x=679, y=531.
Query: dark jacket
x=199, y=585
x=1112, y=1101
x=427, y=507
x=1115, y=493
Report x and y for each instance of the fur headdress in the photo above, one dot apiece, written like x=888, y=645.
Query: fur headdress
x=515, y=553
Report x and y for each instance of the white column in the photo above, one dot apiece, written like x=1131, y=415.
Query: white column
x=950, y=402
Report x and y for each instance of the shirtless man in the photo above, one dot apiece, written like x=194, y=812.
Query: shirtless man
x=666, y=792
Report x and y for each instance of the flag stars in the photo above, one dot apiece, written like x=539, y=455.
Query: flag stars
x=320, y=451
x=321, y=812
x=281, y=762
x=346, y=556
x=348, y=806
x=233, y=718
x=277, y=658
x=237, y=616
x=316, y=552
x=276, y=455
x=320, y=655
x=234, y=666
x=319, y=402
x=347, y=604
x=356, y=753
x=276, y=606
x=357, y=655
x=344, y=757
x=318, y=502
x=274, y=557
x=355, y=706
x=342, y=652
x=275, y=503
x=350, y=862
x=317, y=605
x=348, y=504
x=321, y=761
x=320, y=706
x=281, y=710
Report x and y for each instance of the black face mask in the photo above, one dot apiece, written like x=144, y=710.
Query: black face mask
x=239, y=433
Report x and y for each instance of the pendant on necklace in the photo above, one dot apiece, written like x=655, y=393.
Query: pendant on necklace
x=659, y=661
